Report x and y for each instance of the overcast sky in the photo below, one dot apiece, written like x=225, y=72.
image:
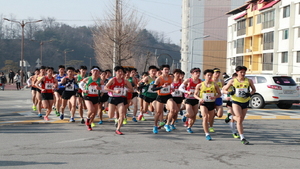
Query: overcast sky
x=161, y=15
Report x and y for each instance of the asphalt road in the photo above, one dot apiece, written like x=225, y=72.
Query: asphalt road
x=274, y=143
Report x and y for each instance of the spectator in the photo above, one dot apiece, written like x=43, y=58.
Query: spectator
x=11, y=76
x=3, y=81
x=17, y=79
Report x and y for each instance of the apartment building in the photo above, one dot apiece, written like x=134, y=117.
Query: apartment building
x=264, y=35
x=204, y=33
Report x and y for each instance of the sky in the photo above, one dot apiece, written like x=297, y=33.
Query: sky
x=160, y=15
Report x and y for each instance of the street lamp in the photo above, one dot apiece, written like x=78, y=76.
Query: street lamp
x=22, y=24
x=42, y=43
x=65, y=52
x=192, y=52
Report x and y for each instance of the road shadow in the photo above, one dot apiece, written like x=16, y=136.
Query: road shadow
x=22, y=163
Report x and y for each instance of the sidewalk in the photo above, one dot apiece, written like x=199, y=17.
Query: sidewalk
x=12, y=87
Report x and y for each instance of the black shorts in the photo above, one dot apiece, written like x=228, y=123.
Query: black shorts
x=163, y=99
x=47, y=96
x=34, y=89
x=242, y=105
x=116, y=100
x=229, y=104
x=141, y=96
x=209, y=105
x=60, y=92
x=148, y=99
x=68, y=94
x=103, y=98
x=178, y=100
x=94, y=100
x=79, y=95
x=134, y=94
x=192, y=102
x=38, y=90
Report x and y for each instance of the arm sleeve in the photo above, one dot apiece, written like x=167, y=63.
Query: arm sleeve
x=28, y=82
x=81, y=85
x=182, y=88
x=155, y=88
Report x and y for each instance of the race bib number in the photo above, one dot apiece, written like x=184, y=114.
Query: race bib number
x=177, y=93
x=150, y=89
x=93, y=89
x=241, y=92
x=208, y=97
x=70, y=87
x=48, y=86
x=122, y=92
x=166, y=89
x=192, y=93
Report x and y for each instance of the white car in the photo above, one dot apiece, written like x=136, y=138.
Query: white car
x=274, y=89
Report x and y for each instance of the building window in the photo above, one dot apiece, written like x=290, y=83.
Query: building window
x=286, y=11
x=234, y=44
x=241, y=27
x=268, y=19
x=258, y=19
x=284, y=57
x=268, y=61
x=250, y=21
x=285, y=34
x=240, y=46
x=268, y=40
x=299, y=32
x=298, y=57
x=239, y=61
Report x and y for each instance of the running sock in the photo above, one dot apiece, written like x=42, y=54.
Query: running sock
x=232, y=127
x=206, y=134
x=242, y=136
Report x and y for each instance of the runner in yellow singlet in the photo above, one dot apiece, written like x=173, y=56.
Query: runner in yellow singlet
x=240, y=98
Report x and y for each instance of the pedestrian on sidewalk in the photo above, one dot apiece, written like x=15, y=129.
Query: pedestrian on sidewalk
x=3, y=81
x=11, y=76
x=17, y=79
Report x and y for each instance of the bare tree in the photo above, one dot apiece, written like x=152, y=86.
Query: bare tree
x=117, y=35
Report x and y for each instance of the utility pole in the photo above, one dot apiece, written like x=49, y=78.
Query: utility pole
x=185, y=37
x=115, y=35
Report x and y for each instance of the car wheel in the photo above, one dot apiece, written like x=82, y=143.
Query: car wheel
x=284, y=105
x=257, y=102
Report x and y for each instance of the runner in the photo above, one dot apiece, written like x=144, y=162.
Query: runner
x=30, y=82
x=240, y=98
x=90, y=87
x=176, y=94
x=191, y=103
x=230, y=113
x=207, y=92
x=134, y=81
x=38, y=94
x=69, y=94
x=162, y=85
x=103, y=97
x=48, y=84
x=149, y=96
x=61, y=74
x=80, y=101
x=219, y=101
x=116, y=91
x=141, y=90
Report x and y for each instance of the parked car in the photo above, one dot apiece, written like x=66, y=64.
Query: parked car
x=274, y=89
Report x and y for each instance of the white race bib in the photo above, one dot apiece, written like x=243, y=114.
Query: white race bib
x=70, y=87
x=166, y=89
x=150, y=89
x=122, y=92
x=93, y=89
x=48, y=86
x=241, y=92
x=176, y=93
x=208, y=97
